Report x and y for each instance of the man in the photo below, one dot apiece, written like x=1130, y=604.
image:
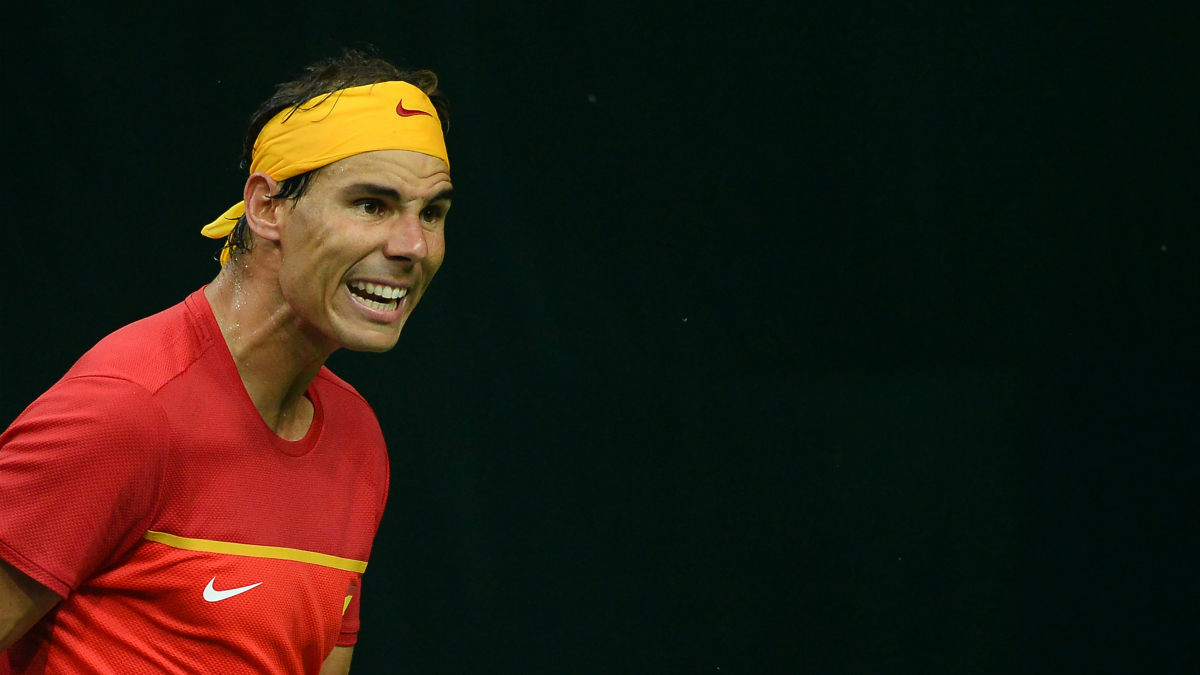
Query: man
x=199, y=494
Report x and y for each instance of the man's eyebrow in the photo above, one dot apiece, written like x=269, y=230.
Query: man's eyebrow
x=376, y=190
x=443, y=196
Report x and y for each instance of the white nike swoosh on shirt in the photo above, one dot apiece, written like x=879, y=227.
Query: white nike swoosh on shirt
x=213, y=595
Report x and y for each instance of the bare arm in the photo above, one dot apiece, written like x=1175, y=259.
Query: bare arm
x=22, y=602
x=338, y=662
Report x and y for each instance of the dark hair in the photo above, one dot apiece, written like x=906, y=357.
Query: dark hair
x=352, y=68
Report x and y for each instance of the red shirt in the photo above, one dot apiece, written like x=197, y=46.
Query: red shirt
x=182, y=533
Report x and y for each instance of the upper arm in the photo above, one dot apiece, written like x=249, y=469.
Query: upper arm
x=80, y=472
x=22, y=602
x=338, y=662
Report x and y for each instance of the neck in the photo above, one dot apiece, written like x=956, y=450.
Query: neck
x=276, y=357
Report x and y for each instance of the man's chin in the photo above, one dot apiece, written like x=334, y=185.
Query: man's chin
x=377, y=349
x=364, y=339
x=374, y=343
x=361, y=336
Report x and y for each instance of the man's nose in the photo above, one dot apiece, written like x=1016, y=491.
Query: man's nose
x=406, y=239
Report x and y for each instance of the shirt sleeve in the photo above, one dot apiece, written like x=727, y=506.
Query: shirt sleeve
x=350, y=622
x=350, y=618
x=80, y=476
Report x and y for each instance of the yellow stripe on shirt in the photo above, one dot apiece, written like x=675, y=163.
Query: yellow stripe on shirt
x=253, y=551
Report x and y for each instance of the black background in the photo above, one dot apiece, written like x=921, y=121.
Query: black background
x=822, y=338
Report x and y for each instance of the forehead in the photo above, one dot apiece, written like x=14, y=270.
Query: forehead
x=411, y=171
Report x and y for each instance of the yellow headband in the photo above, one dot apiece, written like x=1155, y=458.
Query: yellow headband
x=330, y=127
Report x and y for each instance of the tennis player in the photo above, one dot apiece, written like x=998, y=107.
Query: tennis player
x=199, y=494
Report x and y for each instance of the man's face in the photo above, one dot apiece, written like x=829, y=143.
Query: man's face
x=360, y=247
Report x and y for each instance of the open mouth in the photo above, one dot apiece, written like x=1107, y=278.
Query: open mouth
x=379, y=297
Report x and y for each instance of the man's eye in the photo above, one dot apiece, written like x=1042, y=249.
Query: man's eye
x=370, y=208
x=431, y=214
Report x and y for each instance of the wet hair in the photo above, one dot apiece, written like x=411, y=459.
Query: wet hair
x=352, y=68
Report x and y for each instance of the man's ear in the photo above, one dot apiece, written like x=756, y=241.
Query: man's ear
x=262, y=212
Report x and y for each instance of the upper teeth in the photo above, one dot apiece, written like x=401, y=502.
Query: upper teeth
x=390, y=292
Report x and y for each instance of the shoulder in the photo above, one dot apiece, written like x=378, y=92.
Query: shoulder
x=92, y=411
x=343, y=401
x=109, y=430
x=352, y=425
x=348, y=415
x=327, y=378
x=106, y=401
x=149, y=352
